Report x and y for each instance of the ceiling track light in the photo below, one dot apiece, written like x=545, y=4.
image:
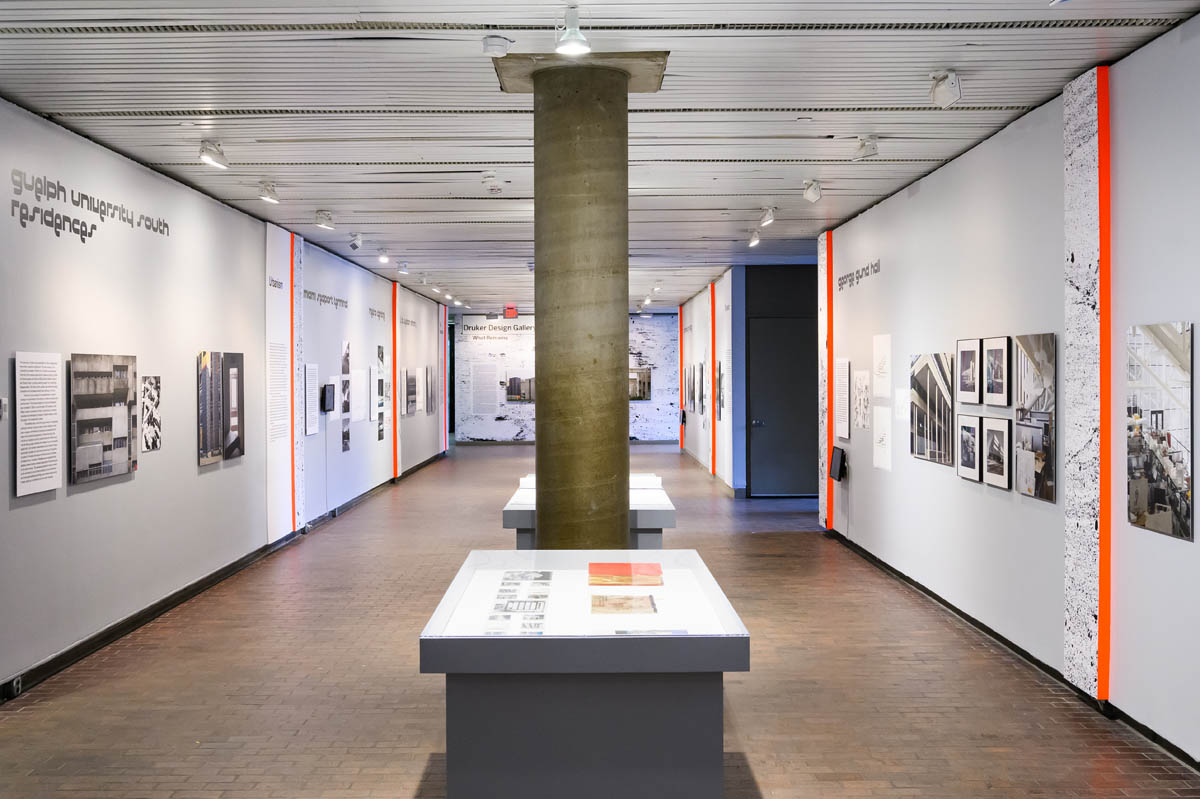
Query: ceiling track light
x=458, y=303
x=867, y=146
x=437, y=290
x=266, y=193
x=755, y=239
x=449, y=296
x=812, y=190
x=212, y=154
x=383, y=256
x=946, y=89
x=491, y=182
x=768, y=216
x=570, y=39
x=657, y=286
x=324, y=220
x=646, y=301
x=356, y=241
x=496, y=46
x=402, y=269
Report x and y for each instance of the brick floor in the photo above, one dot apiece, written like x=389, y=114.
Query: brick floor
x=298, y=677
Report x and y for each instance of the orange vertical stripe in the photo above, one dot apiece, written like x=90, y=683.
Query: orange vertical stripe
x=292, y=362
x=395, y=388
x=1104, y=616
x=681, y=377
x=829, y=423
x=712, y=374
x=445, y=377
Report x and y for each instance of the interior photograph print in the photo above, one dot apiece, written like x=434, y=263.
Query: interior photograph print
x=997, y=387
x=968, y=386
x=997, y=451
x=209, y=413
x=1034, y=375
x=931, y=404
x=104, y=416
x=1159, y=424
x=969, y=463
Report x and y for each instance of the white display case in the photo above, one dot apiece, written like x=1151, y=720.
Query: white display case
x=650, y=511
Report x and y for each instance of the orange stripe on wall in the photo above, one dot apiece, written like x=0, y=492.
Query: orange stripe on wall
x=1104, y=616
x=292, y=362
x=395, y=388
x=712, y=374
x=829, y=424
x=681, y=377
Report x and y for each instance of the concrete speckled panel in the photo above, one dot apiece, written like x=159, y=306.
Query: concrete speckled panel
x=822, y=374
x=298, y=383
x=1081, y=382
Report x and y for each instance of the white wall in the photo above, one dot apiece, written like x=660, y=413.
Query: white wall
x=973, y=250
x=697, y=347
x=78, y=559
x=418, y=322
x=1155, y=114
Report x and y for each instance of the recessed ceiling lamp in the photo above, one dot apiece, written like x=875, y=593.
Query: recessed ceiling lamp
x=356, y=241
x=867, y=147
x=383, y=256
x=402, y=268
x=946, y=89
x=571, y=40
x=212, y=154
x=812, y=190
x=755, y=239
x=768, y=216
x=266, y=193
x=496, y=46
x=325, y=220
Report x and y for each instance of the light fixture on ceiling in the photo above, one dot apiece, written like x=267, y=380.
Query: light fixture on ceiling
x=491, y=182
x=466, y=305
x=383, y=256
x=571, y=40
x=325, y=220
x=946, y=89
x=646, y=315
x=812, y=190
x=458, y=303
x=496, y=46
x=356, y=241
x=212, y=154
x=402, y=269
x=867, y=147
x=657, y=286
x=437, y=290
x=1054, y=3
x=647, y=301
x=266, y=193
x=755, y=239
x=768, y=216
x=449, y=296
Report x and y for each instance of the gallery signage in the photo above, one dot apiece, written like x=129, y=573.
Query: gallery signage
x=326, y=299
x=852, y=279
x=33, y=202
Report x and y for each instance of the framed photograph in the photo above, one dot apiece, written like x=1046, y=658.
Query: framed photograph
x=103, y=417
x=1034, y=378
x=210, y=414
x=1159, y=412
x=931, y=408
x=997, y=452
x=997, y=383
x=970, y=465
x=639, y=383
x=968, y=387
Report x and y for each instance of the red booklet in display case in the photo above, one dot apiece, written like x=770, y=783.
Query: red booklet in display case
x=625, y=574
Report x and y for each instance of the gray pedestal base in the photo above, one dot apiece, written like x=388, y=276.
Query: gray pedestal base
x=586, y=736
x=638, y=539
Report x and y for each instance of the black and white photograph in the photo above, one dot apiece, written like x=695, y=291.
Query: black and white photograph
x=968, y=385
x=103, y=416
x=210, y=414
x=431, y=390
x=700, y=388
x=345, y=433
x=861, y=401
x=931, y=408
x=233, y=393
x=151, y=413
x=997, y=452
x=1159, y=424
x=379, y=421
x=969, y=462
x=997, y=387
x=410, y=392
x=1034, y=376
x=379, y=357
x=639, y=384
x=345, y=395
x=720, y=401
x=345, y=357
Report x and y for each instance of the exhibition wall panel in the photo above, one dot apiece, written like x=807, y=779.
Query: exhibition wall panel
x=970, y=252
x=347, y=334
x=419, y=376
x=1155, y=598
x=186, y=277
x=709, y=366
x=496, y=389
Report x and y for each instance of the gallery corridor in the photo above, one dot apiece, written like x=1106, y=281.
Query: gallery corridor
x=298, y=677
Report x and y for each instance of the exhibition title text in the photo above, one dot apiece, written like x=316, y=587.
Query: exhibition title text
x=852, y=279
x=43, y=190
x=326, y=299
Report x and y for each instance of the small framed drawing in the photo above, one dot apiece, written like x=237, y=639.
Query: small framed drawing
x=969, y=464
x=997, y=387
x=997, y=452
x=968, y=387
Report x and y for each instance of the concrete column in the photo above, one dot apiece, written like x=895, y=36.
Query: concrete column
x=581, y=290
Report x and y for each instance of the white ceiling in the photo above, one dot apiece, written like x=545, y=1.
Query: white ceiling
x=387, y=113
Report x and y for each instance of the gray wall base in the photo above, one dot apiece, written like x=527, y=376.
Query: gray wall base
x=586, y=736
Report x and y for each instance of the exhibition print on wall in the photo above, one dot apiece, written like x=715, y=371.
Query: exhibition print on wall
x=997, y=387
x=969, y=383
x=997, y=450
x=410, y=392
x=931, y=408
x=700, y=389
x=208, y=408
x=639, y=384
x=233, y=391
x=1034, y=378
x=103, y=416
x=345, y=433
x=1159, y=424
x=969, y=462
x=862, y=399
x=151, y=420
x=431, y=391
